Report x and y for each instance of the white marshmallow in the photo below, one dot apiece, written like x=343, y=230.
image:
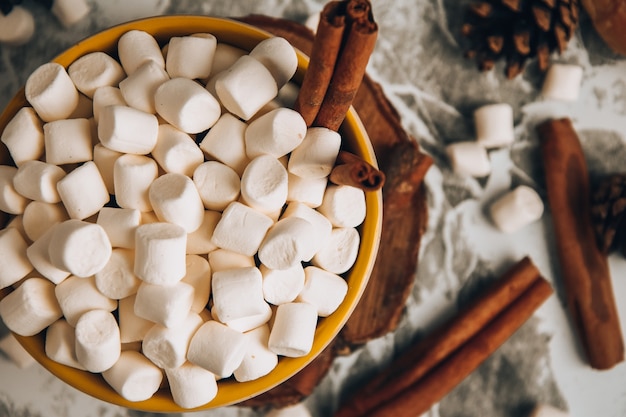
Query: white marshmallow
x=83, y=191
x=106, y=96
x=31, y=307
x=167, y=347
x=133, y=376
x=241, y=229
x=199, y=277
x=175, y=199
x=17, y=223
x=264, y=184
x=287, y=243
x=14, y=264
x=469, y=158
x=199, y=241
x=105, y=158
x=246, y=87
x=340, y=251
x=70, y=12
x=176, y=151
x=83, y=110
x=186, y=105
x=297, y=410
x=51, y=92
x=225, y=142
x=60, y=345
x=343, y=205
x=138, y=88
x=133, y=175
x=38, y=181
x=276, y=133
x=16, y=352
x=23, y=136
x=222, y=259
x=95, y=70
x=282, y=286
x=160, y=253
x=322, y=227
x=217, y=183
x=68, y=141
x=516, y=209
x=190, y=56
x=79, y=247
x=219, y=358
x=98, y=344
x=117, y=279
x=545, y=410
x=258, y=360
x=316, y=155
x=278, y=56
x=77, y=296
x=494, y=125
x=167, y=305
x=120, y=225
x=237, y=293
x=293, y=330
x=128, y=130
x=247, y=323
x=11, y=201
x=225, y=56
x=39, y=217
x=132, y=327
x=17, y=27
x=39, y=257
x=191, y=386
x=323, y=289
x=562, y=82
x=135, y=47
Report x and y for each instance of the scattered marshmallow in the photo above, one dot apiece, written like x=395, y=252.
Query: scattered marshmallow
x=76, y=296
x=247, y=323
x=167, y=305
x=237, y=293
x=133, y=175
x=225, y=142
x=23, y=136
x=117, y=279
x=14, y=263
x=135, y=47
x=258, y=360
x=225, y=56
x=545, y=410
x=562, y=82
x=70, y=12
x=39, y=256
x=223, y=259
x=516, y=209
x=316, y=155
x=199, y=277
x=138, y=88
x=217, y=183
x=83, y=191
x=132, y=327
x=128, y=130
x=278, y=56
x=60, y=345
x=191, y=386
x=105, y=158
x=68, y=141
x=176, y=151
x=219, y=358
x=167, y=347
x=340, y=251
x=106, y=96
x=322, y=227
x=287, y=243
x=51, y=92
x=11, y=201
x=241, y=229
x=16, y=352
x=323, y=289
x=31, y=307
x=494, y=125
x=276, y=133
x=199, y=241
x=160, y=253
x=264, y=184
x=297, y=410
x=17, y=27
x=133, y=376
x=293, y=330
x=95, y=70
x=175, y=199
x=469, y=158
x=282, y=286
x=190, y=56
x=343, y=205
x=120, y=225
x=39, y=217
x=37, y=180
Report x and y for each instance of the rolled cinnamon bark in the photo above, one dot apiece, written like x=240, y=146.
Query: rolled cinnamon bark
x=584, y=269
x=354, y=171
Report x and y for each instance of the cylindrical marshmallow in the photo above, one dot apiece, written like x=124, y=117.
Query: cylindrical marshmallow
x=225, y=56
x=217, y=183
x=167, y=305
x=133, y=175
x=562, y=82
x=16, y=352
x=225, y=142
x=61, y=344
x=340, y=251
x=160, y=253
x=138, y=89
x=322, y=227
x=287, y=243
x=323, y=289
x=136, y=47
x=51, y=92
x=275, y=133
x=293, y=330
x=247, y=323
x=117, y=279
x=223, y=259
x=191, y=386
x=83, y=191
x=37, y=180
x=31, y=307
x=316, y=155
x=105, y=158
x=241, y=229
x=14, y=263
x=133, y=376
x=79, y=247
x=84, y=110
x=264, y=184
x=68, y=141
x=469, y=158
x=246, y=87
x=186, y=105
x=167, y=347
x=343, y=205
x=106, y=96
x=175, y=199
x=516, y=209
x=199, y=241
x=11, y=201
x=176, y=151
x=94, y=70
x=98, y=344
x=220, y=358
x=17, y=27
x=69, y=12
x=132, y=327
x=39, y=217
x=282, y=286
x=258, y=360
x=190, y=56
x=278, y=56
x=494, y=125
x=128, y=130
x=76, y=296
x=545, y=410
x=39, y=256
x=297, y=410
x=23, y=136
x=199, y=277
x=237, y=293
x=120, y=225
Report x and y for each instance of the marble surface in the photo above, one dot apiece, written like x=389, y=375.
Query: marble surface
x=418, y=60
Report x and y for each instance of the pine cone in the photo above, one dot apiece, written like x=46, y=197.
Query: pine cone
x=518, y=30
x=608, y=212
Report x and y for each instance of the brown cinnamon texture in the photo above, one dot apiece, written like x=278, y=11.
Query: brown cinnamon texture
x=583, y=268
x=352, y=170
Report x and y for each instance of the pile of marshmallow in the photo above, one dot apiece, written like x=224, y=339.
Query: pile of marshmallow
x=172, y=215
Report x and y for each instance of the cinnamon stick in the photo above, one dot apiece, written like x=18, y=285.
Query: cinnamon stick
x=455, y=350
x=584, y=269
x=352, y=170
